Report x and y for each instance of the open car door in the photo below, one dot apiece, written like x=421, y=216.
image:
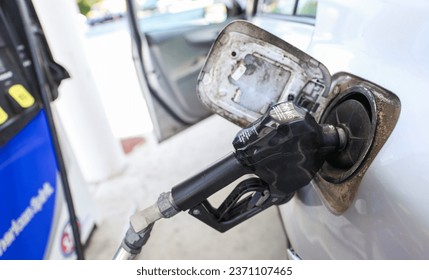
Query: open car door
x=170, y=42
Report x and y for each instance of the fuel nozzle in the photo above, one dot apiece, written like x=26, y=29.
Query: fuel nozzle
x=287, y=147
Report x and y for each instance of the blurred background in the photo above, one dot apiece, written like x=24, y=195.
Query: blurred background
x=129, y=122
x=148, y=166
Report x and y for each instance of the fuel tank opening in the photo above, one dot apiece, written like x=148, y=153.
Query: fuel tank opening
x=354, y=112
x=367, y=113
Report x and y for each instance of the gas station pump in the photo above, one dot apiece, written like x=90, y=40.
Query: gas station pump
x=38, y=218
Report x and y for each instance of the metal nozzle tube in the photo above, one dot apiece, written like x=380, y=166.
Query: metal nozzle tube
x=334, y=137
x=122, y=254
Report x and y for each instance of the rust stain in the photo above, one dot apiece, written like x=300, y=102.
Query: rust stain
x=339, y=197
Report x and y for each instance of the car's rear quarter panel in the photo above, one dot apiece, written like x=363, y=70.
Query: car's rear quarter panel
x=387, y=43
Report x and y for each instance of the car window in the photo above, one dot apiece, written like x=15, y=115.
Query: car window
x=165, y=14
x=306, y=8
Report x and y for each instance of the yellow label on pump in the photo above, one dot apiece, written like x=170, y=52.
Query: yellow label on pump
x=3, y=116
x=21, y=96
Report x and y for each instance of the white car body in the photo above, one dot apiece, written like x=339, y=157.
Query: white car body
x=386, y=43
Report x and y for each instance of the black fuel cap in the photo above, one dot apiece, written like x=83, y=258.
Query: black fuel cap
x=354, y=111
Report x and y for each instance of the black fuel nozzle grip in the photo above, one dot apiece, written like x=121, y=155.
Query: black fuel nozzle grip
x=285, y=148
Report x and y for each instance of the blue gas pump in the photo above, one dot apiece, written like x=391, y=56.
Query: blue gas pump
x=33, y=180
x=28, y=191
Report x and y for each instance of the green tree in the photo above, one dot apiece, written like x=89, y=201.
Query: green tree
x=85, y=5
